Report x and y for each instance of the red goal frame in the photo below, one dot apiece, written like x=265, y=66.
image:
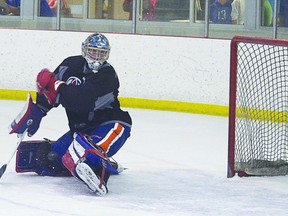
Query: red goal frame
x=232, y=93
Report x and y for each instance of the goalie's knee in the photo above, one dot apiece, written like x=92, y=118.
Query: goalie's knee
x=79, y=150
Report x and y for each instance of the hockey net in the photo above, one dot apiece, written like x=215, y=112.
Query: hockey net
x=258, y=126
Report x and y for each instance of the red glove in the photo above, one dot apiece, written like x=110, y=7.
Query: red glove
x=48, y=85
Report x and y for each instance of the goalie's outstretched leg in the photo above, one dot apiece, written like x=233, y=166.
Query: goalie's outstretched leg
x=87, y=155
x=87, y=163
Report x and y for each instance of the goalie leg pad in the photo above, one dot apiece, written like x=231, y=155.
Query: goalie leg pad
x=61, y=145
x=88, y=176
x=85, y=147
x=80, y=150
x=92, y=172
x=31, y=156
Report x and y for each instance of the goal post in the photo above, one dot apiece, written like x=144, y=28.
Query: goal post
x=258, y=107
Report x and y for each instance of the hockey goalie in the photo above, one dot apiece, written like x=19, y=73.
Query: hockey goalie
x=87, y=87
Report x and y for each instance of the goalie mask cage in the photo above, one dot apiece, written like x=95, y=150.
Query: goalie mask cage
x=258, y=127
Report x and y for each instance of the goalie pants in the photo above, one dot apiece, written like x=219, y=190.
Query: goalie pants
x=110, y=137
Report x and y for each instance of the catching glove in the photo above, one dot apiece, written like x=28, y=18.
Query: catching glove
x=48, y=85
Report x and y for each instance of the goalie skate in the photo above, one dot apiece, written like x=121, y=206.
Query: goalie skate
x=86, y=174
x=118, y=167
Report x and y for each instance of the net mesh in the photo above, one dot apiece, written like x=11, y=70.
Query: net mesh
x=261, y=132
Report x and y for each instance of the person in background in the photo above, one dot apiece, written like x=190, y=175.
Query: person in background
x=272, y=3
x=12, y=7
x=283, y=13
x=105, y=6
x=267, y=13
x=45, y=10
x=220, y=12
x=65, y=8
x=148, y=9
x=237, y=13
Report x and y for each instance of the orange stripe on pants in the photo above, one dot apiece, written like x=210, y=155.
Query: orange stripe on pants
x=111, y=137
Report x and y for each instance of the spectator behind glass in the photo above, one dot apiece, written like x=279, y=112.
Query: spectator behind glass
x=148, y=9
x=272, y=3
x=283, y=13
x=237, y=13
x=65, y=8
x=220, y=12
x=45, y=10
x=267, y=13
x=12, y=7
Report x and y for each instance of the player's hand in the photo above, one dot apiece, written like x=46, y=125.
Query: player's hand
x=48, y=85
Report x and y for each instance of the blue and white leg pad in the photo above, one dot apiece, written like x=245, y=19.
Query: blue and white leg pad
x=80, y=148
x=76, y=162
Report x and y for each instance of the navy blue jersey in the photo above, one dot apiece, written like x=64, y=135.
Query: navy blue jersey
x=221, y=13
x=89, y=98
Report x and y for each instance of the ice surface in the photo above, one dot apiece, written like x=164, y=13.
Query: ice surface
x=176, y=166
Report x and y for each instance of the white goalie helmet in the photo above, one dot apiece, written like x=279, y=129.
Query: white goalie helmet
x=96, y=50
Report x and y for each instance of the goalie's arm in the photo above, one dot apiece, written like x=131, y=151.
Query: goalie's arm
x=78, y=98
x=42, y=103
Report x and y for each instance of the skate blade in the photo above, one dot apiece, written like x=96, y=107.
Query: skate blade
x=87, y=175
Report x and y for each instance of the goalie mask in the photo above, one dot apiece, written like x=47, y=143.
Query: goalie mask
x=96, y=50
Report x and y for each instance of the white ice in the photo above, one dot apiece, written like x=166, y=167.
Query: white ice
x=176, y=166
